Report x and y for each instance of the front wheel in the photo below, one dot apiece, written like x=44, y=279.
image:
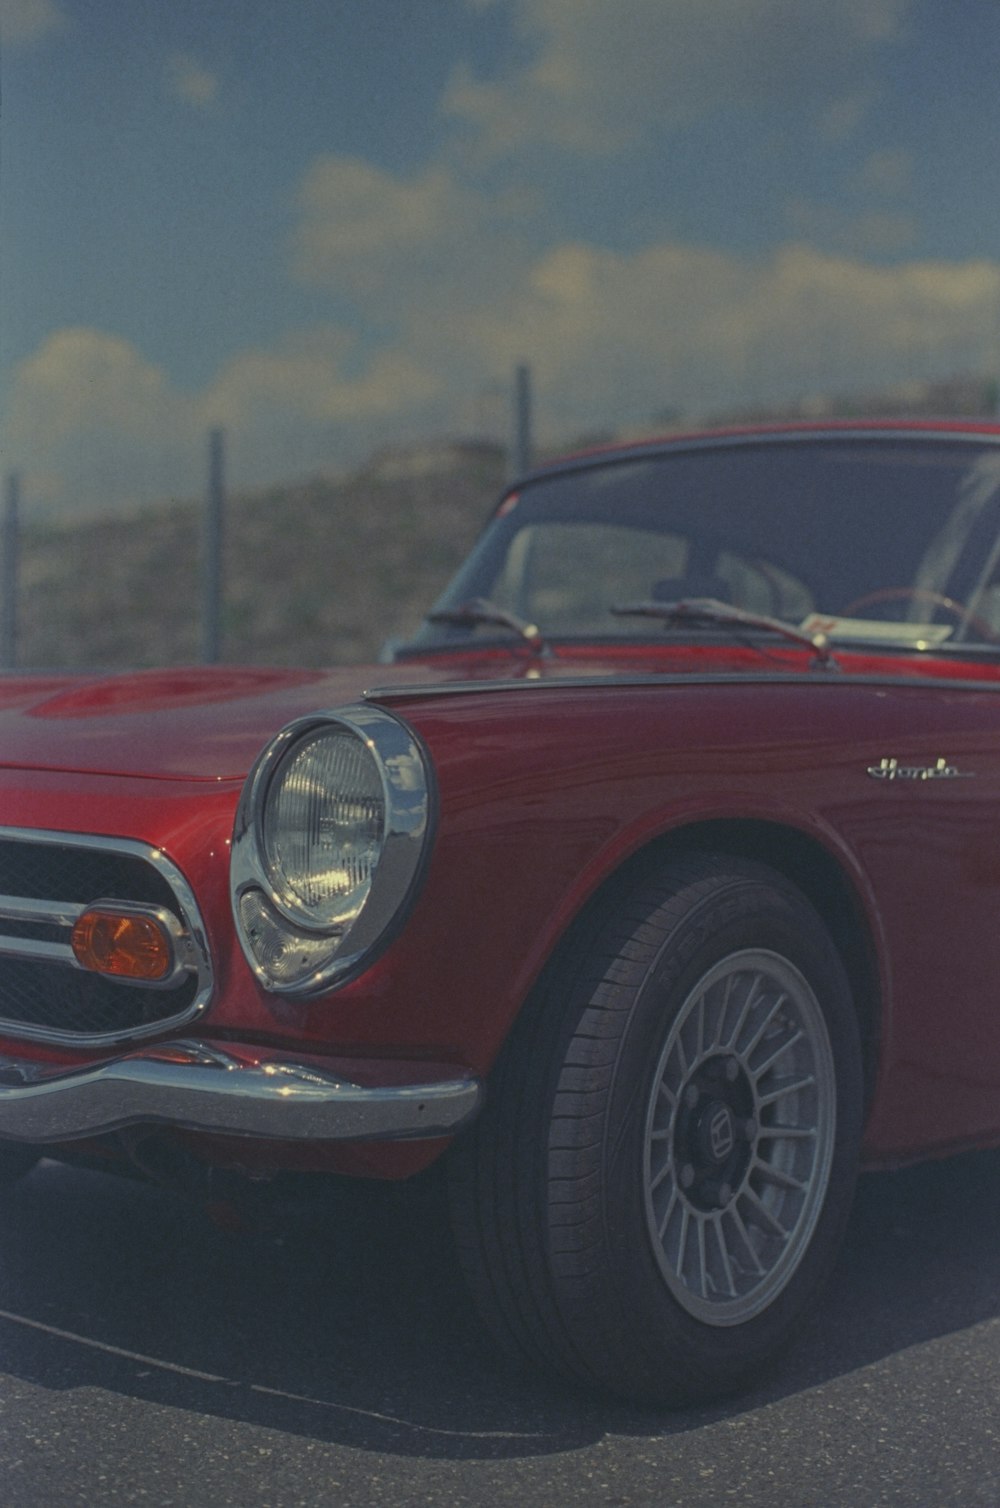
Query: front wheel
x=661, y=1179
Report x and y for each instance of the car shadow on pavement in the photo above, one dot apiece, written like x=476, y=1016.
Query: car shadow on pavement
x=344, y=1320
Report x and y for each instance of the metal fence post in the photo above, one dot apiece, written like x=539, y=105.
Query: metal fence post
x=522, y=421
x=211, y=621
x=10, y=549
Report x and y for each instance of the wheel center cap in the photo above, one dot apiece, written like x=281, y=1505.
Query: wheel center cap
x=716, y=1133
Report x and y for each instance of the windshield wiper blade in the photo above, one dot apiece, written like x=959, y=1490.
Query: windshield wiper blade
x=481, y=610
x=711, y=610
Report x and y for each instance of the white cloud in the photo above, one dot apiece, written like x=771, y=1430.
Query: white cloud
x=603, y=74
x=612, y=337
x=303, y=376
x=94, y=425
x=314, y=382
x=458, y=284
x=81, y=380
x=189, y=81
x=356, y=216
x=868, y=232
x=384, y=239
x=23, y=22
x=91, y=419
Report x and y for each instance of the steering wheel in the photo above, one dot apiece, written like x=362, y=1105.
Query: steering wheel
x=922, y=594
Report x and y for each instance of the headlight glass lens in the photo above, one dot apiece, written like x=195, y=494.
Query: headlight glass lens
x=329, y=841
x=323, y=827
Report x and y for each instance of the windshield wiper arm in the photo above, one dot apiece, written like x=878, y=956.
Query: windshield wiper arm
x=481, y=610
x=711, y=610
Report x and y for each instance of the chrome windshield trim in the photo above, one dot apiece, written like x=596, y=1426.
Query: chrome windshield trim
x=802, y=433
x=196, y=1086
x=684, y=680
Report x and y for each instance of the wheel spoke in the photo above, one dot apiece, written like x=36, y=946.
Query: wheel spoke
x=665, y=1221
x=701, y=1028
x=703, y=1258
x=724, y=1254
x=762, y=1216
x=682, y=1240
x=748, y=1245
x=778, y=1176
x=778, y=1053
x=657, y=1178
x=745, y=1008
x=776, y=1006
x=719, y=1014
x=787, y=1086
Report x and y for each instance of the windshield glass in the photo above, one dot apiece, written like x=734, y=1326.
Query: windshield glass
x=887, y=541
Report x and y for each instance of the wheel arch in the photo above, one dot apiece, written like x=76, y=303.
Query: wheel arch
x=803, y=862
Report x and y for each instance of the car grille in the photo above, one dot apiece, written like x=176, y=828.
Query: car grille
x=46, y=879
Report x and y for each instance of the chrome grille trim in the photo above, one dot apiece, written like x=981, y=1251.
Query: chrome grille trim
x=14, y=908
x=20, y=914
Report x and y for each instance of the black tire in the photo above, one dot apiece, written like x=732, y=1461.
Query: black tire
x=659, y=1183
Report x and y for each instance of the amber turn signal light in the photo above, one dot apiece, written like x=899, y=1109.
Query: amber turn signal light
x=125, y=944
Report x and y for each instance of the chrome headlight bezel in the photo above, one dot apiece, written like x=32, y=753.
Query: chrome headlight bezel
x=291, y=950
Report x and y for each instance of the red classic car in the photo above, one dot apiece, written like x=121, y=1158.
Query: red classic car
x=651, y=886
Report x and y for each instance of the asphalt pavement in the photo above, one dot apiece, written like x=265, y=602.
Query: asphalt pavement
x=326, y=1355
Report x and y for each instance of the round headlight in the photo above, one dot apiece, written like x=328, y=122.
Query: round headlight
x=323, y=827
x=329, y=837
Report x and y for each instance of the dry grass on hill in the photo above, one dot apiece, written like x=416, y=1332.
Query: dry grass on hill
x=315, y=574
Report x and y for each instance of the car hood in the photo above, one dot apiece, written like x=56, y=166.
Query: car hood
x=203, y=722
x=195, y=724
x=210, y=723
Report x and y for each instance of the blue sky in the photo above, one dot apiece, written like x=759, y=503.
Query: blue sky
x=336, y=225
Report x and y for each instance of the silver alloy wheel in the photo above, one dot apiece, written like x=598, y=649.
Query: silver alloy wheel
x=739, y=1137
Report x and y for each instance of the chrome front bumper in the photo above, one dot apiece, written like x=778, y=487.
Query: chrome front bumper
x=199, y=1087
